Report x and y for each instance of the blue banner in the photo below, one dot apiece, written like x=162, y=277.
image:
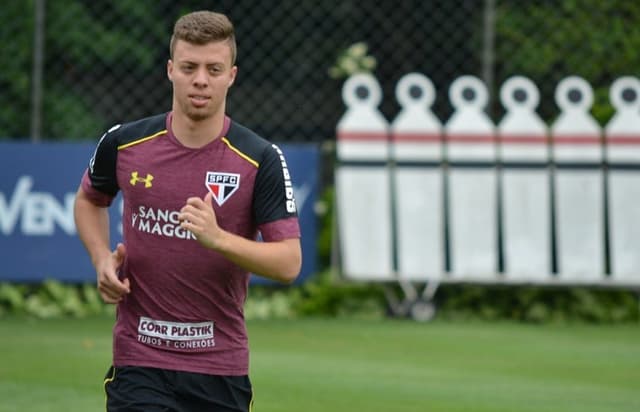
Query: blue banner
x=38, y=238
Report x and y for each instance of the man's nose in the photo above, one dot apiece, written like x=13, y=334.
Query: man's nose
x=200, y=79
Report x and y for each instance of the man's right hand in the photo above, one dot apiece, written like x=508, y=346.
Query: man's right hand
x=111, y=288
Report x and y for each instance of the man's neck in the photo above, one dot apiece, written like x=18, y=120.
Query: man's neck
x=195, y=134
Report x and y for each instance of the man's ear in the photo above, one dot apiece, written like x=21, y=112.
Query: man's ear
x=170, y=70
x=234, y=72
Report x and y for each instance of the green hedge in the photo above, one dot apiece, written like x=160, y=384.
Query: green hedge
x=52, y=299
x=538, y=303
x=328, y=295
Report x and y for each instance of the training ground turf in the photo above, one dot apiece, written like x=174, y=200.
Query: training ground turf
x=356, y=365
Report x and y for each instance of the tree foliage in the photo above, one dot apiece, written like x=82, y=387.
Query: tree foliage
x=549, y=40
x=88, y=41
x=80, y=48
x=16, y=34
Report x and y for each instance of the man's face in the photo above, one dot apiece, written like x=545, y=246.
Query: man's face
x=201, y=76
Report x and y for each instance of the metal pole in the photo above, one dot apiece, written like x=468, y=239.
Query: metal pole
x=488, y=44
x=38, y=67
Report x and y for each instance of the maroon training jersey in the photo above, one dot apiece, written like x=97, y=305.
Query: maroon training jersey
x=185, y=309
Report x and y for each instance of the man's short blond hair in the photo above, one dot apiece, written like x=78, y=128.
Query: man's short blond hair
x=202, y=27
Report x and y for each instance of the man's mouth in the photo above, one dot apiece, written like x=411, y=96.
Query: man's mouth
x=199, y=100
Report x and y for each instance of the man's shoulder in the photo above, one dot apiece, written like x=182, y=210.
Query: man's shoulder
x=136, y=130
x=248, y=142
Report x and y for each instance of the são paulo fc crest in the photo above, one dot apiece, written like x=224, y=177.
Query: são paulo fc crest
x=222, y=185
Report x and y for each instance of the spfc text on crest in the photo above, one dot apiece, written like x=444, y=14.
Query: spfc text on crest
x=222, y=185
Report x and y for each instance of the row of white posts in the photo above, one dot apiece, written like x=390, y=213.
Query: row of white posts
x=472, y=201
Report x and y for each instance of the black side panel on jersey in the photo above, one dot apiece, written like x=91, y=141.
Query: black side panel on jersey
x=102, y=166
x=269, y=193
x=273, y=194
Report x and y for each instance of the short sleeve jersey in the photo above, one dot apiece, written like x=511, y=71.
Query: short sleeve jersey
x=185, y=309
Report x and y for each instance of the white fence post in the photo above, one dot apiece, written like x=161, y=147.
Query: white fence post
x=525, y=200
x=472, y=182
x=417, y=151
x=363, y=183
x=622, y=137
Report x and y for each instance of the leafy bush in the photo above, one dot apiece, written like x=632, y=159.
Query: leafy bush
x=51, y=299
x=538, y=304
x=328, y=295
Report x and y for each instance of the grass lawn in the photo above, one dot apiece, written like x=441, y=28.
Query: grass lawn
x=335, y=365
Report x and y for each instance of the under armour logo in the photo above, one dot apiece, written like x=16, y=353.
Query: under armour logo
x=135, y=179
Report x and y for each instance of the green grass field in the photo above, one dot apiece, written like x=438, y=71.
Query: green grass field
x=340, y=365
